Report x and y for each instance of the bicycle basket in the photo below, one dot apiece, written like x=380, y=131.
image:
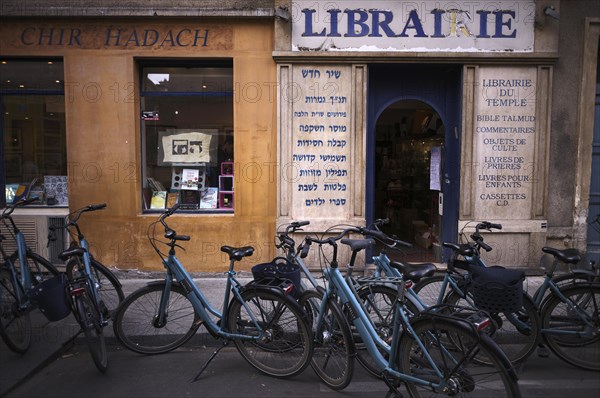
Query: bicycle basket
x=51, y=298
x=279, y=268
x=497, y=289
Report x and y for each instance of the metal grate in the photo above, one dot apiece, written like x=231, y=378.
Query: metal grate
x=57, y=246
x=28, y=227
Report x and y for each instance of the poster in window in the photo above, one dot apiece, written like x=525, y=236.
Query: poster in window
x=178, y=146
x=189, y=179
x=57, y=187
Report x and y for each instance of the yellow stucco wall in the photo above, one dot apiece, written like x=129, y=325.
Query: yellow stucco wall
x=103, y=131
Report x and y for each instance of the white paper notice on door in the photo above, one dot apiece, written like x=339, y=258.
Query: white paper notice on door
x=434, y=168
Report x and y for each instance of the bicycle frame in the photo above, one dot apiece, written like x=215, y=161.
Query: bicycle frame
x=338, y=287
x=176, y=272
x=21, y=253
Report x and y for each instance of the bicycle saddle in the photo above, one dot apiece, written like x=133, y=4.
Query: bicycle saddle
x=77, y=251
x=358, y=244
x=569, y=256
x=237, y=253
x=414, y=271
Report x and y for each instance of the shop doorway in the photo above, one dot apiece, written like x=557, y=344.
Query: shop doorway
x=409, y=139
x=413, y=154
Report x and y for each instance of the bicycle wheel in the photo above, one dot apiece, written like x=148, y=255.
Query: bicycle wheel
x=379, y=303
x=463, y=373
x=333, y=353
x=107, y=284
x=137, y=326
x=89, y=319
x=15, y=324
x=571, y=328
x=283, y=345
x=516, y=333
x=428, y=290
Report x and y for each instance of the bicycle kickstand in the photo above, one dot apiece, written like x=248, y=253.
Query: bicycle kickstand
x=393, y=385
x=214, y=354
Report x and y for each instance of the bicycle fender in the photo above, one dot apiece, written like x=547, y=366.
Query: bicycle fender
x=495, y=348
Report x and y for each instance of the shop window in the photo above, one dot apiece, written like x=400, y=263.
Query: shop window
x=187, y=136
x=32, y=132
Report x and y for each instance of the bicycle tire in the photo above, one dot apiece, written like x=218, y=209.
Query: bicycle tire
x=380, y=303
x=334, y=350
x=471, y=377
x=15, y=324
x=578, y=350
x=135, y=320
x=107, y=284
x=517, y=344
x=89, y=320
x=287, y=344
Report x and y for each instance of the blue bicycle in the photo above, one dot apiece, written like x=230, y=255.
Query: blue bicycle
x=20, y=271
x=267, y=325
x=434, y=353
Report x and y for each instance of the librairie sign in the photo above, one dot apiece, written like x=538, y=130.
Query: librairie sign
x=426, y=25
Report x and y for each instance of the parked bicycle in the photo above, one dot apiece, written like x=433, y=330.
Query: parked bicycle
x=433, y=353
x=516, y=330
x=107, y=284
x=84, y=289
x=269, y=329
x=570, y=314
x=19, y=273
x=563, y=313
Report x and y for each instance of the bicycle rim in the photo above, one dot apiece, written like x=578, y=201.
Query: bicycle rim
x=463, y=374
x=94, y=336
x=15, y=325
x=107, y=284
x=581, y=347
x=284, y=347
x=519, y=338
x=136, y=323
x=333, y=352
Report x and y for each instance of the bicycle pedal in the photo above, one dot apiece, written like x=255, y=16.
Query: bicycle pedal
x=543, y=352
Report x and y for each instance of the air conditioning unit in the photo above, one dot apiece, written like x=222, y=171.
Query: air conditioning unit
x=36, y=231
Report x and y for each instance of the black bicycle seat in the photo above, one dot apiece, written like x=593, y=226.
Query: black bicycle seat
x=237, y=253
x=569, y=256
x=414, y=271
x=77, y=251
x=358, y=244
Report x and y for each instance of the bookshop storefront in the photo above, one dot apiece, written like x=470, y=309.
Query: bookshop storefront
x=141, y=114
x=434, y=118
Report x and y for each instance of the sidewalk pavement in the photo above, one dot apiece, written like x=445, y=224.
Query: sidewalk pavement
x=51, y=339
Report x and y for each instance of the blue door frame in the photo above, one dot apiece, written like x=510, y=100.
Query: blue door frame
x=438, y=86
x=593, y=233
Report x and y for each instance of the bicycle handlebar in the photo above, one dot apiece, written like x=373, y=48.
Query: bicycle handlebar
x=170, y=233
x=11, y=207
